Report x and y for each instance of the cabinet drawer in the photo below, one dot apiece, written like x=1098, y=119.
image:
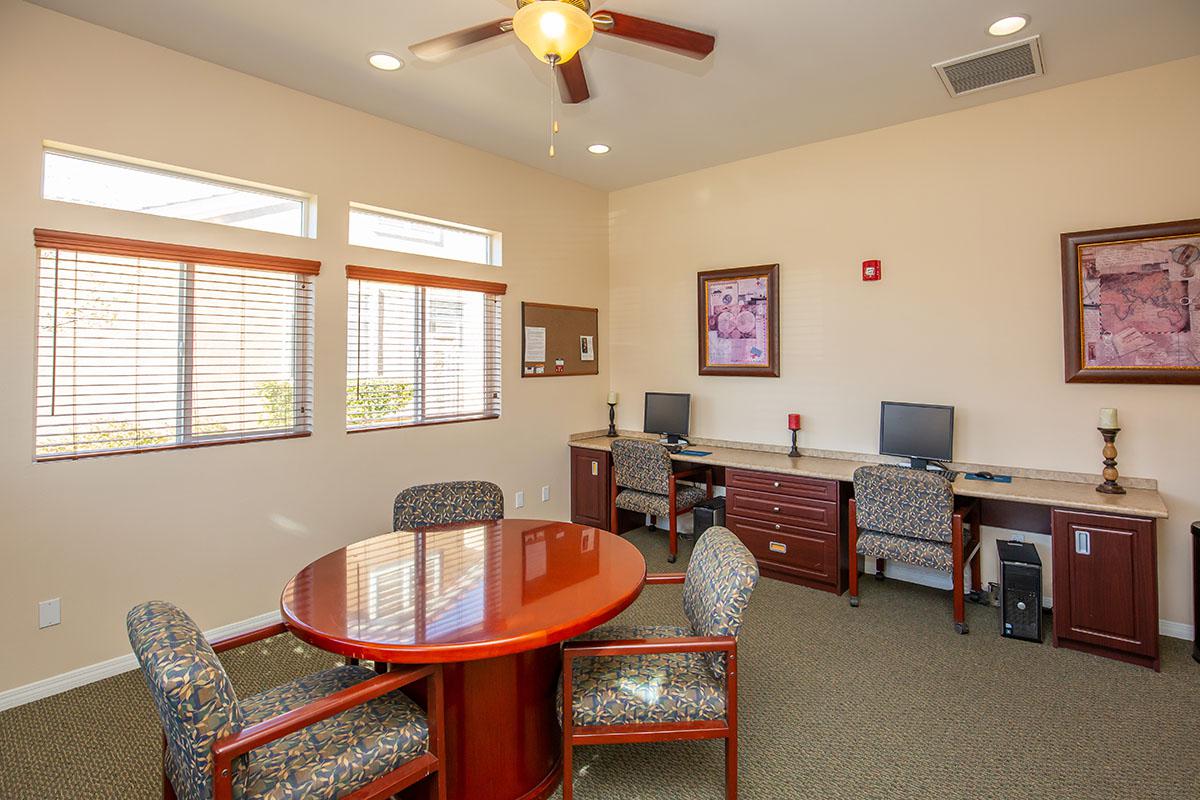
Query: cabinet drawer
x=775, y=483
x=784, y=510
x=803, y=553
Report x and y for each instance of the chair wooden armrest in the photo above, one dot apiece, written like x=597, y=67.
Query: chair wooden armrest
x=691, y=472
x=665, y=577
x=250, y=637
x=227, y=748
x=645, y=647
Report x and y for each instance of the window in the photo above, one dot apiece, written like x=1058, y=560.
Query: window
x=407, y=233
x=110, y=182
x=421, y=349
x=147, y=346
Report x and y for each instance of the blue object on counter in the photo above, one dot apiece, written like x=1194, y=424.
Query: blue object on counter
x=971, y=476
x=694, y=453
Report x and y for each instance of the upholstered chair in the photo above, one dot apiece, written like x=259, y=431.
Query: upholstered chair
x=446, y=504
x=339, y=732
x=654, y=683
x=644, y=481
x=910, y=516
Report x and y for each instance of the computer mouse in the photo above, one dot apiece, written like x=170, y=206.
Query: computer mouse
x=987, y=476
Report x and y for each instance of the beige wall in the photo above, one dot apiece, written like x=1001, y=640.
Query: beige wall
x=965, y=210
x=220, y=530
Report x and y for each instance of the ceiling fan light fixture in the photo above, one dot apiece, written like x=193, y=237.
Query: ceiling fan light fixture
x=553, y=30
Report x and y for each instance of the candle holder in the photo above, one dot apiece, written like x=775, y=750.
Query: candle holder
x=612, y=420
x=1110, y=485
x=795, y=451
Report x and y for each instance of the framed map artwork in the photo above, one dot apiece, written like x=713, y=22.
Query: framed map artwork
x=739, y=321
x=1130, y=298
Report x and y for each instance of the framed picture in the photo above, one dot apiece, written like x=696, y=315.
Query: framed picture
x=1129, y=304
x=739, y=321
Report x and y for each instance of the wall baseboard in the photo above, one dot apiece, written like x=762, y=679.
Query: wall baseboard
x=1176, y=630
x=47, y=687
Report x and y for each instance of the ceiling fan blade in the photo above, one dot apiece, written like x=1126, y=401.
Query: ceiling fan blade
x=572, y=82
x=441, y=45
x=658, y=34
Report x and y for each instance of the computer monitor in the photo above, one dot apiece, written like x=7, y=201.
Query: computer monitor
x=922, y=433
x=668, y=414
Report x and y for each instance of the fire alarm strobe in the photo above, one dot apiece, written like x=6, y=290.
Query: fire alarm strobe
x=872, y=270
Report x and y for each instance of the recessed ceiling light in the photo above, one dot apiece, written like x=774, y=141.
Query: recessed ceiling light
x=1008, y=26
x=385, y=61
x=599, y=149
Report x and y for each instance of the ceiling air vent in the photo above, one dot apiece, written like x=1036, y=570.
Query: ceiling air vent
x=1010, y=62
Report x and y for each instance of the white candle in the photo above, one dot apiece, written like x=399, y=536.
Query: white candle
x=1108, y=418
x=612, y=398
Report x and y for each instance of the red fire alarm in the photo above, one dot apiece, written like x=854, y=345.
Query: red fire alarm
x=872, y=270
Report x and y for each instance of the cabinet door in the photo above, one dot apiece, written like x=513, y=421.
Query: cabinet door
x=589, y=487
x=1105, y=586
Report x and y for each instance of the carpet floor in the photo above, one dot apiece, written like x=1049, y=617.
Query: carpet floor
x=883, y=701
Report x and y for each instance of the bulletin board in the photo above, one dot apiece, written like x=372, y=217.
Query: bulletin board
x=558, y=341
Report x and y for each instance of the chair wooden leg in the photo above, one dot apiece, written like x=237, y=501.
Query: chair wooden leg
x=960, y=612
x=731, y=717
x=852, y=539
x=568, y=785
x=674, y=538
x=168, y=790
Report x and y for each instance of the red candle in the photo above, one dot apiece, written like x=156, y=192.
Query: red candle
x=793, y=422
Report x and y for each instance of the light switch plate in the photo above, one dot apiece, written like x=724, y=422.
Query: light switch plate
x=545, y=494
x=519, y=500
x=49, y=612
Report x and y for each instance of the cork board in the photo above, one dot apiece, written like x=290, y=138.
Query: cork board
x=551, y=344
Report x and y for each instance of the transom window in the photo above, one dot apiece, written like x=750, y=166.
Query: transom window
x=420, y=349
x=127, y=185
x=409, y=233
x=147, y=346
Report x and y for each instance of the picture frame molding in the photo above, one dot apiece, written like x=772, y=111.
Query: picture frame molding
x=771, y=368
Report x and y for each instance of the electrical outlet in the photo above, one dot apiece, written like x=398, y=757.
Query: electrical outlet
x=519, y=500
x=49, y=612
x=545, y=494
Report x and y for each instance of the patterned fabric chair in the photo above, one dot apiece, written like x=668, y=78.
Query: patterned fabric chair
x=622, y=684
x=910, y=516
x=324, y=736
x=447, y=503
x=644, y=481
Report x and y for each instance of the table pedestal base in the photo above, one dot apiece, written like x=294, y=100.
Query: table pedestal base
x=503, y=740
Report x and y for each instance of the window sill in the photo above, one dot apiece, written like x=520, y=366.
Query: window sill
x=370, y=428
x=167, y=448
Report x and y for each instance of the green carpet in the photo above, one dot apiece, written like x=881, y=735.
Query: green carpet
x=883, y=701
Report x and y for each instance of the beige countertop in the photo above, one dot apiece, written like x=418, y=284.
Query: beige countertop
x=1044, y=491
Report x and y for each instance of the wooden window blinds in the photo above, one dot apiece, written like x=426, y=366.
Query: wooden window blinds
x=420, y=349
x=149, y=346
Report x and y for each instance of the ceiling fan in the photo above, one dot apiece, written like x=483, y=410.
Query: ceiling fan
x=555, y=30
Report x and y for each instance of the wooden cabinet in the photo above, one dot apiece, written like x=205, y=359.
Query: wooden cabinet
x=590, y=494
x=1106, y=585
x=794, y=526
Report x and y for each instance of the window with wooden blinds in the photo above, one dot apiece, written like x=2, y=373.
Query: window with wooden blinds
x=148, y=346
x=420, y=349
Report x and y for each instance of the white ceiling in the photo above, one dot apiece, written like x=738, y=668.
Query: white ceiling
x=785, y=72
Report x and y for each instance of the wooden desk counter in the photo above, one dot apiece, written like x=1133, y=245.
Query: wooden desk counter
x=1034, y=491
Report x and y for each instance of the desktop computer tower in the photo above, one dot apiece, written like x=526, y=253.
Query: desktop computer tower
x=1020, y=591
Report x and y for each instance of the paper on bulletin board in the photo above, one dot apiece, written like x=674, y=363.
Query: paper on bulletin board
x=535, y=344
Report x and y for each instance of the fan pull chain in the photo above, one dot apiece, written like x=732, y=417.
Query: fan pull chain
x=553, y=117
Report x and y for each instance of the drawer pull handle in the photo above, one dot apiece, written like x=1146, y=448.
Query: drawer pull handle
x=775, y=509
x=1083, y=543
x=776, y=484
x=777, y=527
x=595, y=468
x=778, y=547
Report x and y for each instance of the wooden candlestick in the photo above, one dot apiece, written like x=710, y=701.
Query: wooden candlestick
x=1110, y=485
x=795, y=453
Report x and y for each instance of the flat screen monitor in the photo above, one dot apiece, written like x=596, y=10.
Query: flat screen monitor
x=923, y=433
x=668, y=414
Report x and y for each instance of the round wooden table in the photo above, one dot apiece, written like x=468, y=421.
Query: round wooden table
x=490, y=601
